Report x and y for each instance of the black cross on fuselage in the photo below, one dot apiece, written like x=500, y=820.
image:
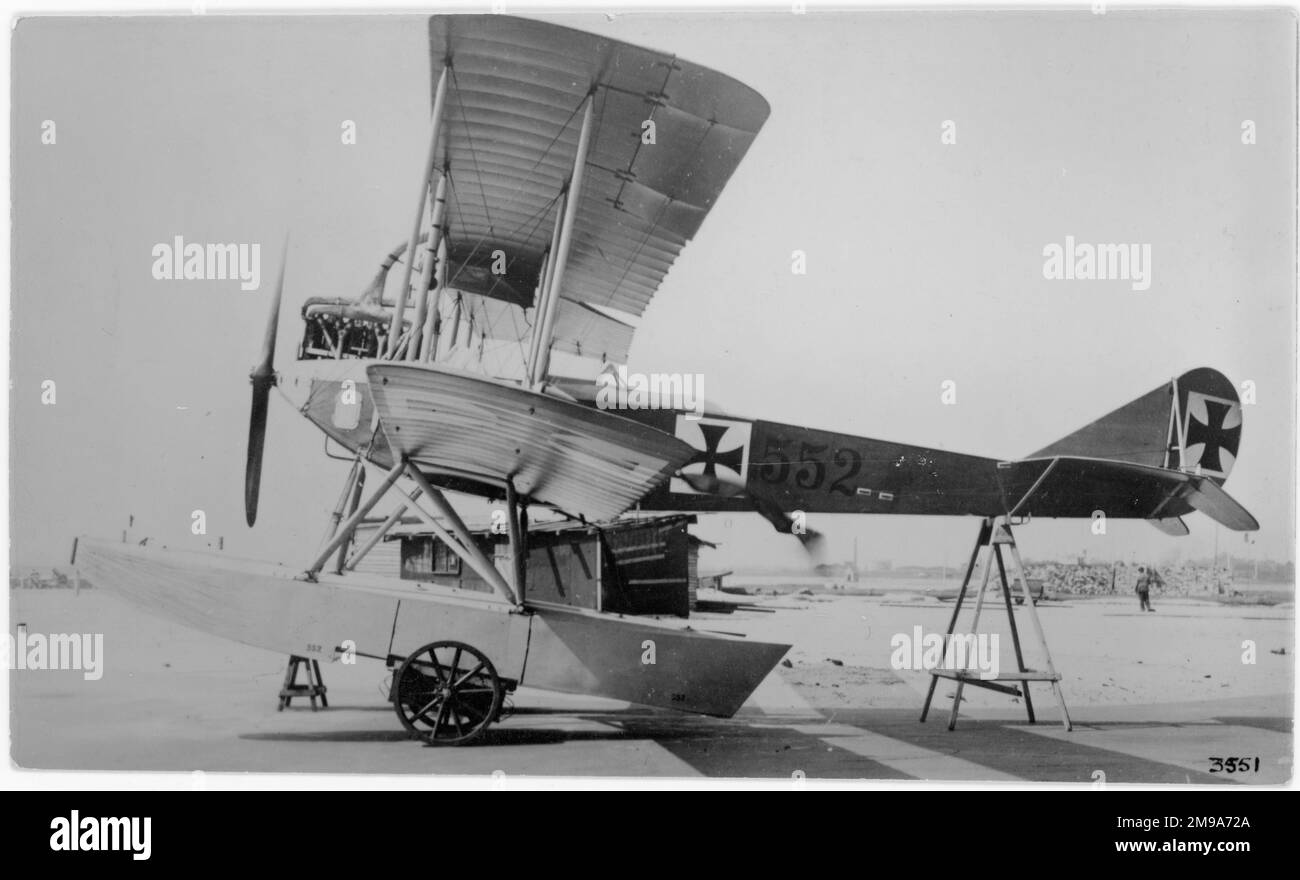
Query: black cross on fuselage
x=711, y=458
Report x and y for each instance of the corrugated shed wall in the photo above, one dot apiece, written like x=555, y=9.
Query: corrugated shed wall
x=384, y=559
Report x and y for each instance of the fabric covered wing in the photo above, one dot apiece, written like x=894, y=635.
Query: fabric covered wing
x=512, y=119
x=581, y=460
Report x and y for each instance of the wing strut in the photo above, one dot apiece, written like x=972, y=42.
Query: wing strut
x=544, y=326
x=456, y=535
x=539, y=295
x=430, y=162
x=545, y=281
x=433, y=320
x=432, y=251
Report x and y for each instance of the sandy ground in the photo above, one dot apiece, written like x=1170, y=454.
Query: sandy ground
x=1106, y=650
x=1153, y=696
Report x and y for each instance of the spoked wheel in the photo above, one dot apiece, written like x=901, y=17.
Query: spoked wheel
x=447, y=693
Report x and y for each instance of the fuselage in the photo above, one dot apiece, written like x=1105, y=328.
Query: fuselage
x=789, y=467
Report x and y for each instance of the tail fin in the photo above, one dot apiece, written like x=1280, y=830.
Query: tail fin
x=1191, y=424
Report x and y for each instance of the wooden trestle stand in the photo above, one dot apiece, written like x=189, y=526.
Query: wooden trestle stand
x=313, y=689
x=994, y=536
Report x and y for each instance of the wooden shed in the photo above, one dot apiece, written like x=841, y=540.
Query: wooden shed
x=628, y=566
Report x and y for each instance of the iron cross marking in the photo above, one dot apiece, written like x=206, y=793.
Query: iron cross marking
x=711, y=458
x=1214, y=435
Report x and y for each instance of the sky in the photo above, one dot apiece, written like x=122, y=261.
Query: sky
x=924, y=259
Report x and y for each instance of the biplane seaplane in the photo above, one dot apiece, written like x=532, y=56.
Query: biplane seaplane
x=564, y=174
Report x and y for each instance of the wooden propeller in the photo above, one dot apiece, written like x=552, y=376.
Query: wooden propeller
x=263, y=379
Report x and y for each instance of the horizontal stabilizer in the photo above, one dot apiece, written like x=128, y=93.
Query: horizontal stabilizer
x=1207, y=497
x=1068, y=486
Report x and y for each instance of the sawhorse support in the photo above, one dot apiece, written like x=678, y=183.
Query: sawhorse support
x=994, y=536
x=314, y=687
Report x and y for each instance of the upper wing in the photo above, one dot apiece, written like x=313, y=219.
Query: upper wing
x=512, y=119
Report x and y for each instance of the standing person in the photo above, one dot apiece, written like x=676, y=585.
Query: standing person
x=1143, y=588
